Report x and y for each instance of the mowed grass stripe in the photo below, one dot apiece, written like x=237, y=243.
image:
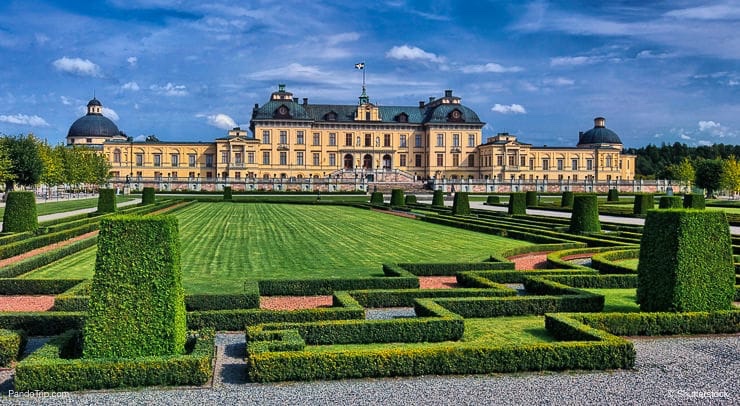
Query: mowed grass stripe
x=224, y=244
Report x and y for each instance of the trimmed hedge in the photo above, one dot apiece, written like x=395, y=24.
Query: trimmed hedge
x=461, y=204
x=39, y=260
x=531, y=197
x=606, y=263
x=694, y=201
x=228, y=196
x=676, y=271
x=54, y=367
x=612, y=195
x=20, y=247
x=20, y=212
x=410, y=199
x=643, y=203
x=397, y=197
x=15, y=286
x=376, y=198
x=585, y=215
x=492, y=199
x=650, y=324
x=517, y=203
x=670, y=202
x=595, y=281
x=12, y=345
x=377, y=298
x=438, y=199
x=451, y=268
x=42, y=323
x=136, y=305
x=147, y=196
x=327, y=286
x=567, y=199
x=106, y=201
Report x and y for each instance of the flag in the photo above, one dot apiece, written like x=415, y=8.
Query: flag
x=360, y=65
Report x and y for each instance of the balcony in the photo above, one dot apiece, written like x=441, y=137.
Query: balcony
x=283, y=147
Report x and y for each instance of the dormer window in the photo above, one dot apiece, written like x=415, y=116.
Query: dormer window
x=331, y=116
x=282, y=112
x=402, y=118
x=455, y=116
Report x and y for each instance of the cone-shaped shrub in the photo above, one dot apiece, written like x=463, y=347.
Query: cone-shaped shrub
x=670, y=202
x=410, y=199
x=376, y=198
x=567, y=199
x=397, y=198
x=228, y=196
x=137, y=302
x=106, y=201
x=20, y=212
x=438, y=198
x=461, y=204
x=531, y=198
x=517, y=203
x=694, y=201
x=585, y=215
x=643, y=203
x=612, y=196
x=147, y=195
x=493, y=200
x=676, y=271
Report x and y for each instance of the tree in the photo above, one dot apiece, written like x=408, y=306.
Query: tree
x=53, y=173
x=6, y=164
x=730, y=179
x=26, y=161
x=709, y=175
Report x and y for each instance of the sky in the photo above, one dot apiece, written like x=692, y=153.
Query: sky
x=189, y=70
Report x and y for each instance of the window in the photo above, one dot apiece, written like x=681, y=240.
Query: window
x=575, y=178
x=440, y=140
x=589, y=164
x=265, y=137
x=266, y=158
x=299, y=158
x=209, y=175
x=471, y=140
x=386, y=140
x=402, y=159
x=175, y=160
x=117, y=156
x=368, y=140
x=609, y=162
x=88, y=140
x=545, y=164
x=158, y=175
x=560, y=164
x=139, y=159
x=209, y=160
x=574, y=164
x=512, y=160
x=191, y=160
x=523, y=161
x=238, y=158
x=332, y=159
x=225, y=157
x=300, y=138
x=283, y=158
x=174, y=175
x=283, y=137
x=191, y=175
x=455, y=140
x=471, y=160
x=440, y=159
x=531, y=164
x=417, y=160
x=316, y=139
x=348, y=139
x=333, y=139
x=157, y=159
x=250, y=158
x=499, y=160
x=402, y=141
x=455, y=159
x=237, y=175
x=316, y=159
x=417, y=141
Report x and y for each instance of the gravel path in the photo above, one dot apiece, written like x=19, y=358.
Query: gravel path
x=678, y=370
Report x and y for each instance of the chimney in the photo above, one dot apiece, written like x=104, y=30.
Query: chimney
x=599, y=122
x=295, y=100
x=281, y=87
x=448, y=93
x=421, y=104
x=305, y=101
x=431, y=99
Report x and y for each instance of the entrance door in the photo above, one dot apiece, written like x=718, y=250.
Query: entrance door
x=348, y=161
x=387, y=162
x=367, y=161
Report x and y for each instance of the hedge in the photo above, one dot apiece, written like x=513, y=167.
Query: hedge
x=136, y=305
x=461, y=204
x=585, y=215
x=606, y=263
x=410, y=199
x=43, y=240
x=517, y=203
x=567, y=199
x=228, y=196
x=15, y=286
x=397, y=197
x=612, y=195
x=490, y=200
x=20, y=212
x=643, y=203
x=376, y=198
x=12, y=345
x=676, y=271
x=53, y=367
x=670, y=202
x=147, y=196
x=595, y=281
x=664, y=323
x=438, y=199
x=39, y=260
x=41, y=323
x=531, y=198
x=694, y=201
x=378, y=298
x=106, y=201
x=327, y=286
x=451, y=268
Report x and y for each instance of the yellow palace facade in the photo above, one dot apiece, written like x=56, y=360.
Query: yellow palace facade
x=292, y=141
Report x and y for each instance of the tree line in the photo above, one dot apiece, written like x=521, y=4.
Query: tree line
x=27, y=161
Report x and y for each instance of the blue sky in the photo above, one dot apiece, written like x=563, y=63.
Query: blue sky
x=188, y=70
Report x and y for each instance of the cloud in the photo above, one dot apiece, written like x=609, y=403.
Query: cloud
x=648, y=54
x=405, y=52
x=713, y=12
x=489, y=68
x=684, y=137
x=23, y=119
x=77, y=66
x=110, y=113
x=170, y=90
x=292, y=71
x=65, y=100
x=716, y=129
x=221, y=121
x=708, y=125
x=342, y=37
x=559, y=81
x=132, y=60
x=509, y=109
x=574, y=60
x=133, y=86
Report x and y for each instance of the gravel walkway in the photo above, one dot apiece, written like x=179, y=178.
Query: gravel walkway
x=679, y=370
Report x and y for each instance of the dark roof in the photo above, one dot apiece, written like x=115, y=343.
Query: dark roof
x=599, y=134
x=93, y=125
x=94, y=102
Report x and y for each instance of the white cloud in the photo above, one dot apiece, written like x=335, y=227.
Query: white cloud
x=708, y=125
x=23, y=119
x=489, y=68
x=714, y=12
x=66, y=100
x=405, y=52
x=684, y=137
x=292, y=71
x=170, y=90
x=132, y=60
x=733, y=82
x=648, y=54
x=509, y=109
x=77, y=66
x=342, y=37
x=221, y=121
x=110, y=113
x=574, y=60
x=559, y=81
x=133, y=86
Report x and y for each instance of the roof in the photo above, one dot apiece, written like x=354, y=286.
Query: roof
x=598, y=135
x=93, y=125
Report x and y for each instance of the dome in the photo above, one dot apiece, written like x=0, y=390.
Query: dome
x=94, y=124
x=598, y=135
x=94, y=102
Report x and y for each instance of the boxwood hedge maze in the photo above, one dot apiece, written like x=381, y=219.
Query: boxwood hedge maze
x=220, y=259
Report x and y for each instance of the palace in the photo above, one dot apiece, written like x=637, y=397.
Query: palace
x=294, y=140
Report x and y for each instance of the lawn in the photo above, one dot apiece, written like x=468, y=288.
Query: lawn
x=629, y=263
x=60, y=206
x=225, y=243
x=618, y=300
